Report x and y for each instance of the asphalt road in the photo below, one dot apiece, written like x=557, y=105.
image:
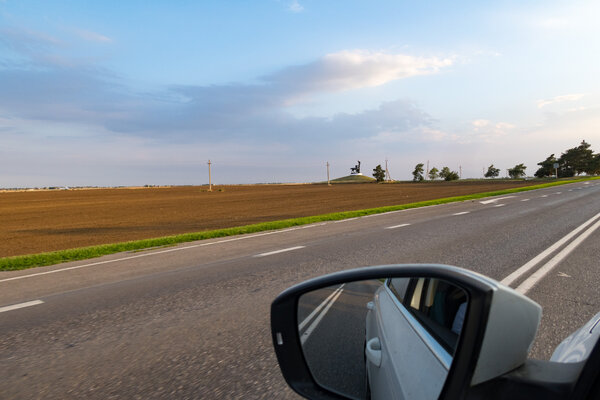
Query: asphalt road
x=193, y=321
x=334, y=337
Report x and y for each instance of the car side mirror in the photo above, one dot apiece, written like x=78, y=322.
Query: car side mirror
x=400, y=331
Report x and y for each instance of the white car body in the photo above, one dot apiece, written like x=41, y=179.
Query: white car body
x=402, y=340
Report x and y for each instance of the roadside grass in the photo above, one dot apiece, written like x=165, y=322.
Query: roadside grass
x=38, y=260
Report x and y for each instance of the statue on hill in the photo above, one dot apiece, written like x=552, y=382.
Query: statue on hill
x=356, y=169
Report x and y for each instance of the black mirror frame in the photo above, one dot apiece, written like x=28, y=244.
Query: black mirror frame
x=286, y=338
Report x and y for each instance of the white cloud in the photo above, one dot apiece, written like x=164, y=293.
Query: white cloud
x=354, y=69
x=27, y=40
x=419, y=134
x=552, y=23
x=92, y=36
x=504, y=126
x=487, y=131
x=295, y=7
x=480, y=123
x=559, y=99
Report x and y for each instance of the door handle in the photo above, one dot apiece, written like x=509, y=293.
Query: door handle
x=373, y=351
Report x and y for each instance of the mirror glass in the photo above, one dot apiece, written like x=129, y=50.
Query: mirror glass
x=391, y=338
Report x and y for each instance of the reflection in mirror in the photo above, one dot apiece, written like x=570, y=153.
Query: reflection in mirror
x=382, y=339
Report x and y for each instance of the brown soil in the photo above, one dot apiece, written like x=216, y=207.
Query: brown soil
x=40, y=221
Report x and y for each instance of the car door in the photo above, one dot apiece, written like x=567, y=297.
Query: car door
x=411, y=322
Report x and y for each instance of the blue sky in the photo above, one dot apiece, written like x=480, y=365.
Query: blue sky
x=133, y=93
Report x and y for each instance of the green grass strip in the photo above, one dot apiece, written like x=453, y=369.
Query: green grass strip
x=55, y=257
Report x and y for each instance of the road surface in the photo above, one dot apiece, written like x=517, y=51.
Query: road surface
x=192, y=321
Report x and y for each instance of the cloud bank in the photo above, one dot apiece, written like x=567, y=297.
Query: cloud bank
x=559, y=99
x=79, y=111
x=47, y=88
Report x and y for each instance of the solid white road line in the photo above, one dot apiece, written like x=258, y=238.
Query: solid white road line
x=346, y=220
x=397, y=226
x=461, y=213
x=316, y=322
x=495, y=200
x=537, y=259
x=21, y=305
x=152, y=253
x=544, y=270
x=270, y=253
x=316, y=310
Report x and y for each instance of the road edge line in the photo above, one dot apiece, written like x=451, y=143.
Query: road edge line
x=538, y=275
x=540, y=257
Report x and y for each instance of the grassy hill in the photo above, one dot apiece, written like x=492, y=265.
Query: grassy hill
x=353, y=179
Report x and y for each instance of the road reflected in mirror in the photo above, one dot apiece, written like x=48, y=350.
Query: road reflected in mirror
x=382, y=339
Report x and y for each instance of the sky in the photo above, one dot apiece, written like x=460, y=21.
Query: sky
x=111, y=93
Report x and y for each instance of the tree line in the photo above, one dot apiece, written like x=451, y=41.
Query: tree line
x=574, y=161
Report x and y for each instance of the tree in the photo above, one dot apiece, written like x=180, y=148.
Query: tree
x=444, y=172
x=448, y=175
x=595, y=166
x=418, y=173
x=577, y=160
x=546, y=167
x=433, y=173
x=452, y=176
x=379, y=173
x=492, y=172
x=517, y=171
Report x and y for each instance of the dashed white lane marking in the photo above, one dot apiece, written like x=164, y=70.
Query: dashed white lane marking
x=540, y=257
x=495, y=200
x=545, y=195
x=397, y=226
x=499, y=205
x=270, y=253
x=558, y=193
x=153, y=253
x=193, y=246
x=461, y=213
x=525, y=199
x=21, y=305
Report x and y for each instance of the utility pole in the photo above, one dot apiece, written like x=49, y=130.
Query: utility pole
x=427, y=172
x=460, y=171
x=209, y=179
x=387, y=172
x=483, y=171
x=328, y=183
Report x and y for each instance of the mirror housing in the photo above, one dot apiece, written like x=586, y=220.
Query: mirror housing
x=497, y=333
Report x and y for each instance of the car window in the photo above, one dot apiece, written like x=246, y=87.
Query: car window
x=398, y=286
x=440, y=307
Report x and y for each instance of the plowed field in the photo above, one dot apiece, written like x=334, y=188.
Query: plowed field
x=40, y=221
